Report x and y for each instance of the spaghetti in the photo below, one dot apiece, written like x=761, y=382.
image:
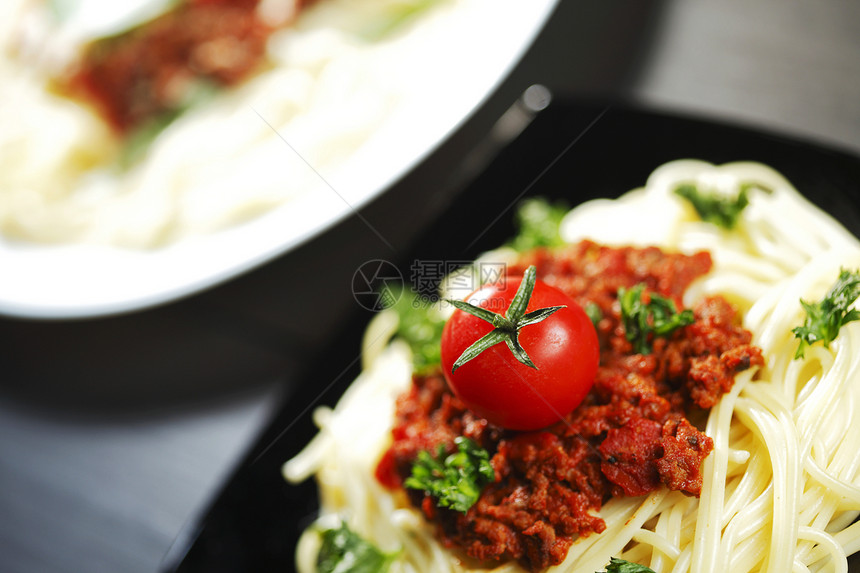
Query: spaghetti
x=781, y=489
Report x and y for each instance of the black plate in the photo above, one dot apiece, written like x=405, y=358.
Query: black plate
x=572, y=150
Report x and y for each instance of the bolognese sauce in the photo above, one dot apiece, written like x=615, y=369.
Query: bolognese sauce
x=150, y=70
x=630, y=436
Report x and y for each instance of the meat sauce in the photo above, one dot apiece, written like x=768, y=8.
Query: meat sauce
x=629, y=437
x=150, y=71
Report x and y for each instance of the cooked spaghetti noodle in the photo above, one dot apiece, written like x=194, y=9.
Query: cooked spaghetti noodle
x=781, y=489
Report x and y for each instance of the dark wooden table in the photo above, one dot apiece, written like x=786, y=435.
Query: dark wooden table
x=115, y=432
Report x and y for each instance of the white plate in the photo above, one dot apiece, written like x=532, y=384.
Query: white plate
x=73, y=281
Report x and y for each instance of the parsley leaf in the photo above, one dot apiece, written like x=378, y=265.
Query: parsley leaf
x=594, y=313
x=455, y=481
x=538, y=222
x=139, y=140
x=344, y=551
x=393, y=17
x=719, y=210
x=825, y=318
x=420, y=327
x=617, y=565
x=658, y=317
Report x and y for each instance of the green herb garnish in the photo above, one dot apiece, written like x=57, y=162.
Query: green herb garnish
x=720, y=210
x=507, y=327
x=455, y=480
x=137, y=142
x=393, y=17
x=538, y=222
x=344, y=551
x=825, y=318
x=617, y=565
x=420, y=326
x=594, y=313
x=657, y=318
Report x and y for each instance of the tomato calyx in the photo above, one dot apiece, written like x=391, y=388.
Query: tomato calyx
x=506, y=328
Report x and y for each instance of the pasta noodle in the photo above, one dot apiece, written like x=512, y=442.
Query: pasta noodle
x=781, y=489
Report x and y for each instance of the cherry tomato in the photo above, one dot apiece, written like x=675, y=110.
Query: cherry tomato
x=500, y=388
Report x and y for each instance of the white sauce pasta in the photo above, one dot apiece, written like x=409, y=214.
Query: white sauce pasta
x=782, y=487
x=332, y=80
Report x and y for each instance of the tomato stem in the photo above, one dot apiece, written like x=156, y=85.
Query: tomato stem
x=505, y=328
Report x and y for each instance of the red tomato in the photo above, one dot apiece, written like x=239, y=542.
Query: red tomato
x=498, y=387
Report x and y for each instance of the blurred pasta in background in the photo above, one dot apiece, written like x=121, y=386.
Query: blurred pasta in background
x=141, y=125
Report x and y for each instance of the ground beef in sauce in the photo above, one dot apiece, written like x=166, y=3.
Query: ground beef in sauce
x=150, y=71
x=630, y=436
